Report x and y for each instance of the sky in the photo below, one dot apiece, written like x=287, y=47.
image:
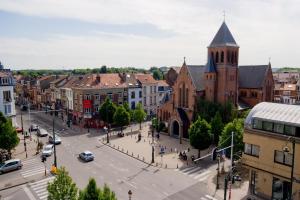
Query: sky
x=67, y=34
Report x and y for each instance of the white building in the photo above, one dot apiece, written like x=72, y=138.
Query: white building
x=7, y=101
x=149, y=93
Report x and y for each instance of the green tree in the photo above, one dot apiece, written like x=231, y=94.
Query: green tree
x=158, y=75
x=103, y=69
x=107, y=194
x=236, y=126
x=127, y=108
x=107, y=111
x=200, y=135
x=216, y=127
x=8, y=134
x=121, y=117
x=139, y=114
x=62, y=187
x=92, y=192
x=154, y=122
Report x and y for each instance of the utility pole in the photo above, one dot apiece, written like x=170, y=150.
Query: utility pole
x=23, y=134
x=231, y=168
x=55, y=162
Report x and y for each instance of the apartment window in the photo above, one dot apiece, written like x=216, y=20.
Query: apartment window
x=132, y=105
x=268, y=126
x=257, y=124
x=151, y=89
x=6, y=96
x=150, y=101
x=87, y=97
x=133, y=95
x=87, y=110
x=283, y=158
x=145, y=101
x=4, y=81
x=154, y=89
x=140, y=94
x=7, y=109
x=251, y=149
x=97, y=108
x=278, y=128
x=97, y=96
x=289, y=130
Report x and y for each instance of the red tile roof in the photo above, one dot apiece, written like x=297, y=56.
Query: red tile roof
x=145, y=78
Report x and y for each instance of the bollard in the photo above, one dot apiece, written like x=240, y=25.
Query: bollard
x=177, y=166
x=166, y=166
x=132, y=154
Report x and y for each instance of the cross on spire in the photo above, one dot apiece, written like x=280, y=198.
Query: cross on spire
x=224, y=15
x=184, y=60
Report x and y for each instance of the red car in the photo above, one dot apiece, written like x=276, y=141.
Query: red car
x=19, y=130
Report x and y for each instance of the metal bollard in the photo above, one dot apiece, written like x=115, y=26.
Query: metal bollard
x=177, y=166
x=166, y=166
x=132, y=154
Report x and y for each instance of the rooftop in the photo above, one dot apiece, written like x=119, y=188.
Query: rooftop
x=274, y=112
x=223, y=37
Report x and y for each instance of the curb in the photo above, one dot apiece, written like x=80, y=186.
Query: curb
x=23, y=183
x=135, y=157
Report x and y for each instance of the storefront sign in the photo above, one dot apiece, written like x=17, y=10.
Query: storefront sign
x=87, y=104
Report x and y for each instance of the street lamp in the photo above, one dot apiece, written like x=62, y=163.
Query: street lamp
x=218, y=173
x=129, y=194
x=286, y=150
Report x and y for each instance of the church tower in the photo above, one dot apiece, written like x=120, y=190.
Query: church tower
x=223, y=52
x=210, y=77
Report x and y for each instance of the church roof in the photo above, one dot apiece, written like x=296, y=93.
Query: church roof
x=197, y=73
x=223, y=37
x=252, y=76
x=210, y=66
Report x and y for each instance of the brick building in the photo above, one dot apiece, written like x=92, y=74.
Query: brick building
x=217, y=81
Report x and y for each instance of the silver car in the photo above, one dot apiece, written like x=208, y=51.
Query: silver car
x=48, y=150
x=41, y=132
x=10, y=165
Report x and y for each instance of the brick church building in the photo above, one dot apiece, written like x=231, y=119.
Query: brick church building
x=220, y=80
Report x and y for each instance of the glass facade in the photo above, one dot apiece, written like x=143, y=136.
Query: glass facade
x=280, y=189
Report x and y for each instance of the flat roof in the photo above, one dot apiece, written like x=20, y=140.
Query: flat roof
x=274, y=112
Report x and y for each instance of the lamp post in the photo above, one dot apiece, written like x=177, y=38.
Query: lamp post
x=286, y=150
x=129, y=194
x=218, y=172
x=107, y=137
x=25, y=147
x=152, y=161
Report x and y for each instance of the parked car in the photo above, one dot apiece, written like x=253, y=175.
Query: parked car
x=48, y=150
x=41, y=132
x=34, y=127
x=10, y=165
x=57, y=139
x=86, y=156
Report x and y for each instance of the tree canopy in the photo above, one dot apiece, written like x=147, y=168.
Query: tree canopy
x=92, y=192
x=8, y=135
x=236, y=126
x=216, y=127
x=107, y=111
x=121, y=117
x=62, y=187
x=139, y=114
x=200, y=135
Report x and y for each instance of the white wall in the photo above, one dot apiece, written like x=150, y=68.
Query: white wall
x=137, y=98
x=12, y=103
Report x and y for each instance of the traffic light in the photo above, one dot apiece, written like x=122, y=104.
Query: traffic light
x=214, y=153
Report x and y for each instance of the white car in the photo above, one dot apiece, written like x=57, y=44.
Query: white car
x=48, y=150
x=41, y=132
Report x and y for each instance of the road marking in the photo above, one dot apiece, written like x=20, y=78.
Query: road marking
x=187, y=169
x=41, y=181
x=128, y=183
x=28, y=193
x=210, y=197
x=193, y=170
x=202, y=174
x=204, y=178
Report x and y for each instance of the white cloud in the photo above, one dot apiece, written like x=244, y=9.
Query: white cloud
x=262, y=28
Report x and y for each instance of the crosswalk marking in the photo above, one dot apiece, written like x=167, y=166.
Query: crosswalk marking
x=32, y=167
x=40, y=187
x=210, y=197
x=195, y=172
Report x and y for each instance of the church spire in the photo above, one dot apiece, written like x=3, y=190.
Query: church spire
x=223, y=37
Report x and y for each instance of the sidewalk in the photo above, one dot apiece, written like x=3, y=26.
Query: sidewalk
x=142, y=149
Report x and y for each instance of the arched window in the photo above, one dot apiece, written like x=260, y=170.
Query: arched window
x=235, y=57
x=212, y=55
x=187, y=98
x=228, y=56
x=232, y=57
x=222, y=56
x=217, y=57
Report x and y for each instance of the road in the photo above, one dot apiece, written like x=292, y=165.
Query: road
x=121, y=172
